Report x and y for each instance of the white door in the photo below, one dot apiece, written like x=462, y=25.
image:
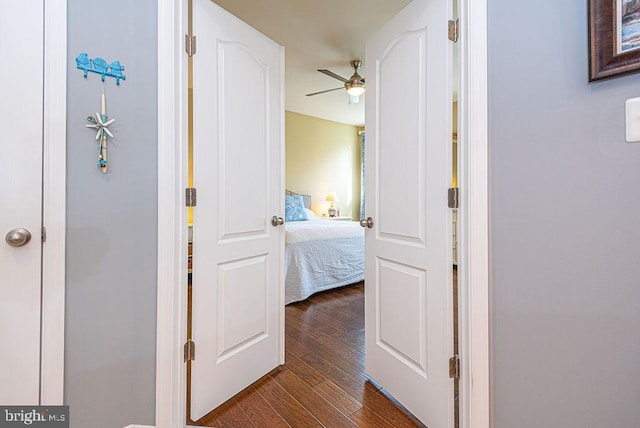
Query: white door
x=21, y=114
x=238, y=311
x=408, y=303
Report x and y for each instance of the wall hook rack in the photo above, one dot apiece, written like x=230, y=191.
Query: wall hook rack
x=100, y=66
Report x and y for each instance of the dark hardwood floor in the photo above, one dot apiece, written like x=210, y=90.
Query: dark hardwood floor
x=322, y=383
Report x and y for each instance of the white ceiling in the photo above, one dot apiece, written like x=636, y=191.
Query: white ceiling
x=318, y=34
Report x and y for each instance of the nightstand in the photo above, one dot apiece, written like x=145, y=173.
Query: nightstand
x=339, y=218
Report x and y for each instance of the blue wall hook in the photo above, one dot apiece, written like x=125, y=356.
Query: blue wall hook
x=100, y=66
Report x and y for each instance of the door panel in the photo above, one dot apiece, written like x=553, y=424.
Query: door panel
x=21, y=113
x=408, y=306
x=243, y=83
x=402, y=286
x=401, y=214
x=237, y=309
x=242, y=305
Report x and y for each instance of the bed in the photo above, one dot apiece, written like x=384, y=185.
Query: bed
x=320, y=254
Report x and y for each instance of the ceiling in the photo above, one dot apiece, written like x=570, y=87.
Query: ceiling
x=325, y=34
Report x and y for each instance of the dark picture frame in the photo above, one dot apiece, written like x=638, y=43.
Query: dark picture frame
x=604, y=59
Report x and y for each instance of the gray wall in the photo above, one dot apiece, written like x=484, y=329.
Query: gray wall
x=565, y=225
x=112, y=220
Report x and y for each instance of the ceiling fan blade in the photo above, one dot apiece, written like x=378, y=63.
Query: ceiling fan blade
x=354, y=99
x=322, y=92
x=334, y=75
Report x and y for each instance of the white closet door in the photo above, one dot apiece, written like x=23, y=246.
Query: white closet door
x=21, y=115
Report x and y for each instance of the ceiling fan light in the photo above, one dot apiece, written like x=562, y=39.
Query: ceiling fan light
x=355, y=88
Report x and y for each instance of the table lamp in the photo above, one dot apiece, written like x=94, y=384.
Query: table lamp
x=332, y=197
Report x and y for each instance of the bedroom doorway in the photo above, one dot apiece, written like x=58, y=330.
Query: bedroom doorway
x=408, y=307
x=407, y=294
x=162, y=388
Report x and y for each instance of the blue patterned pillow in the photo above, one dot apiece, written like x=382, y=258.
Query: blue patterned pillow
x=294, y=209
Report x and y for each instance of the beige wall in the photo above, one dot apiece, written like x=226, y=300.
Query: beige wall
x=454, y=170
x=323, y=156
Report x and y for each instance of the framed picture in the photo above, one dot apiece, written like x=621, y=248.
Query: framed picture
x=614, y=38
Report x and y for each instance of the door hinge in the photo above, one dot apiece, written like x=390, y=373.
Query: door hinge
x=190, y=45
x=189, y=351
x=453, y=197
x=454, y=30
x=43, y=234
x=454, y=367
x=190, y=197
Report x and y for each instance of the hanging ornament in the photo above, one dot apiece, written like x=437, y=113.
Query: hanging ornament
x=101, y=124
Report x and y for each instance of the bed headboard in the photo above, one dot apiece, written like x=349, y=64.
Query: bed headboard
x=306, y=199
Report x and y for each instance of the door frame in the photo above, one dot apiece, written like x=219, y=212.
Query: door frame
x=54, y=203
x=473, y=215
x=473, y=218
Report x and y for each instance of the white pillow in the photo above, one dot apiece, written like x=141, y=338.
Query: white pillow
x=311, y=216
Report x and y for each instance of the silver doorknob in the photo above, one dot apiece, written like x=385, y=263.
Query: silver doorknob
x=18, y=237
x=367, y=222
x=277, y=221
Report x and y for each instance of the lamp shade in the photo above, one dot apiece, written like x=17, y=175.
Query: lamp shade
x=332, y=197
x=355, y=87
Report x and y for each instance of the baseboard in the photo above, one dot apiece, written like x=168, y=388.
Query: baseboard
x=151, y=426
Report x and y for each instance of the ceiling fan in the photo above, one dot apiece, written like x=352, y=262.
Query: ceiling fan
x=354, y=85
